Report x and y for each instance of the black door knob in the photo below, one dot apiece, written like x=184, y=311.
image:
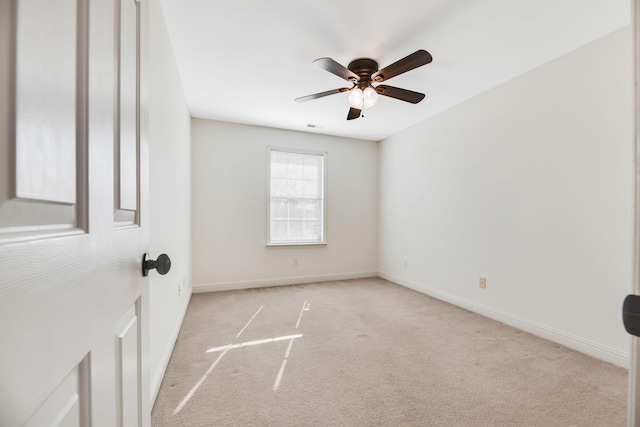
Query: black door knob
x=631, y=314
x=162, y=264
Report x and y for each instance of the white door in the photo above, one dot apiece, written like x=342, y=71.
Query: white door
x=73, y=221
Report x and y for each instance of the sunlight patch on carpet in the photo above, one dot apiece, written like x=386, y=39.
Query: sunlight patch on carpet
x=225, y=348
x=250, y=343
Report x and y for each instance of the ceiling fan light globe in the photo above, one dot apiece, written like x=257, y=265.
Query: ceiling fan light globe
x=370, y=97
x=356, y=98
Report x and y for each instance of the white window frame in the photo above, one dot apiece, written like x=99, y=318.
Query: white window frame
x=324, y=196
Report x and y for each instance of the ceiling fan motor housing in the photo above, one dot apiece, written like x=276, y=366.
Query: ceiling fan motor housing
x=364, y=68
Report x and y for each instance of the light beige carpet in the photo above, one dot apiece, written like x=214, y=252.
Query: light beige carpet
x=368, y=352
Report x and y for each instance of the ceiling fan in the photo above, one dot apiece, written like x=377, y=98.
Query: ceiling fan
x=363, y=72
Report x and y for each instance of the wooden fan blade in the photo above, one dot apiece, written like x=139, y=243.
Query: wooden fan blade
x=401, y=94
x=416, y=59
x=332, y=66
x=322, y=94
x=354, y=113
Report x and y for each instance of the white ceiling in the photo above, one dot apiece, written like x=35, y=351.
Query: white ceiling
x=245, y=61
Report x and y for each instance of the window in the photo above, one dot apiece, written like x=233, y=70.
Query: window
x=296, y=197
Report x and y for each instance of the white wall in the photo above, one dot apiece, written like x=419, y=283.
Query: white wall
x=230, y=209
x=531, y=186
x=170, y=201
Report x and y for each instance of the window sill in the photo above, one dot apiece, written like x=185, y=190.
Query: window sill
x=296, y=244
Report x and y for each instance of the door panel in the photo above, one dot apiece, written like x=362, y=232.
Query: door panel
x=7, y=84
x=47, y=88
x=127, y=145
x=73, y=301
x=45, y=82
x=68, y=405
x=127, y=357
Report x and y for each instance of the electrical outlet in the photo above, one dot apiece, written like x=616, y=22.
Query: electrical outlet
x=483, y=283
x=179, y=290
x=295, y=262
x=405, y=263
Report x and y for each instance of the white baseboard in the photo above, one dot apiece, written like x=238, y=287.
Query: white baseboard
x=576, y=343
x=262, y=283
x=156, y=381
